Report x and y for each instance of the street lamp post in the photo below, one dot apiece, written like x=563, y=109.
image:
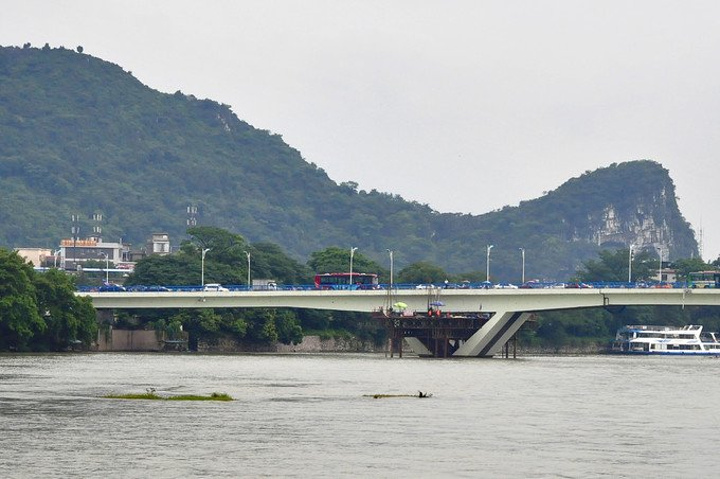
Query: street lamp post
x=487, y=262
x=391, y=267
x=522, y=253
x=55, y=257
x=248, y=258
x=107, y=266
x=630, y=255
x=352, y=253
x=660, y=254
x=202, y=266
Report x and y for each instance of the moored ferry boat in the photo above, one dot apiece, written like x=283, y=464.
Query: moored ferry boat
x=671, y=340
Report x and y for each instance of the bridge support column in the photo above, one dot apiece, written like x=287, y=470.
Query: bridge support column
x=418, y=347
x=489, y=339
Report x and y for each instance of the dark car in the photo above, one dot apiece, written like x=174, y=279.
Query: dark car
x=156, y=288
x=110, y=287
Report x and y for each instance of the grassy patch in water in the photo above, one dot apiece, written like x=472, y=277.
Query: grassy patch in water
x=184, y=397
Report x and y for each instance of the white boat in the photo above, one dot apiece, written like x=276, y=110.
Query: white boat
x=671, y=340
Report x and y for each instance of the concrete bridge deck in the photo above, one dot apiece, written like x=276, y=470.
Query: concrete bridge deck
x=456, y=300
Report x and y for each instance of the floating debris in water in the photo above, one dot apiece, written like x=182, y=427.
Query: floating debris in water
x=420, y=394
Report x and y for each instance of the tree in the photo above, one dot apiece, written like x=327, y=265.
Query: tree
x=688, y=265
x=39, y=311
x=228, y=248
x=68, y=318
x=262, y=325
x=20, y=319
x=422, y=272
x=269, y=261
x=177, y=269
x=225, y=262
x=613, y=267
x=288, y=328
x=337, y=260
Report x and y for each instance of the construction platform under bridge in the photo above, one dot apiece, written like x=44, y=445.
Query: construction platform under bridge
x=441, y=335
x=433, y=332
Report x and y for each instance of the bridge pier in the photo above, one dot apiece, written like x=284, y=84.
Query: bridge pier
x=490, y=338
x=418, y=346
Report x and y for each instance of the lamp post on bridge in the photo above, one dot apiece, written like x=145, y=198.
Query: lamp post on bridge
x=247, y=253
x=522, y=253
x=107, y=266
x=202, y=266
x=487, y=262
x=630, y=256
x=660, y=254
x=352, y=253
x=391, y=267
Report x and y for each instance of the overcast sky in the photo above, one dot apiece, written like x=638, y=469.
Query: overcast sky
x=466, y=106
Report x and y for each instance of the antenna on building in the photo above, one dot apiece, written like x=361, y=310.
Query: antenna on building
x=191, y=216
x=97, y=229
x=75, y=230
x=700, y=241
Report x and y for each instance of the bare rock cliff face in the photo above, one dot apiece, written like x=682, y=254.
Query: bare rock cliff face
x=634, y=227
x=640, y=210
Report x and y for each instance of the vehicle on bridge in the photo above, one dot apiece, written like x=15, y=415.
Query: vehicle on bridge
x=704, y=279
x=142, y=288
x=214, y=287
x=111, y=287
x=669, y=340
x=343, y=281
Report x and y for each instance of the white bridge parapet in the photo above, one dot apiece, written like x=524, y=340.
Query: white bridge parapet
x=510, y=308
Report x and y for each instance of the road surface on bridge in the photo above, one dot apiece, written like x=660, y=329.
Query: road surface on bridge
x=455, y=300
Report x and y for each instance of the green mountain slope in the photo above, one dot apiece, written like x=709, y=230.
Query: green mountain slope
x=80, y=135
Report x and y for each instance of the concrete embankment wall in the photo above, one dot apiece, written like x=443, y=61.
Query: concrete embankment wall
x=128, y=340
x=141, y=340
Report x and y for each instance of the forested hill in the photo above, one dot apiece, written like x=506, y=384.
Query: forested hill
x=81, y=135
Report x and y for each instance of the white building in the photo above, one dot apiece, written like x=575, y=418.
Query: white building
x=37, y=256
x=160, y=244
x=75, y=252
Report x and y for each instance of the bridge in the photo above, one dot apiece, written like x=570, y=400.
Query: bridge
x=507, y=309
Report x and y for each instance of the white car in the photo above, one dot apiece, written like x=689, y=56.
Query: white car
x=214, y=287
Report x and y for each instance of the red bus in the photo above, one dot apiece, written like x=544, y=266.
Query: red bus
x=342, y=281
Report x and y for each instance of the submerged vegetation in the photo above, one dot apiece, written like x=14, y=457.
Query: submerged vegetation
x=153, y=396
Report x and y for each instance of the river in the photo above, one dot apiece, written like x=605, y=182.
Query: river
x=313, y=416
